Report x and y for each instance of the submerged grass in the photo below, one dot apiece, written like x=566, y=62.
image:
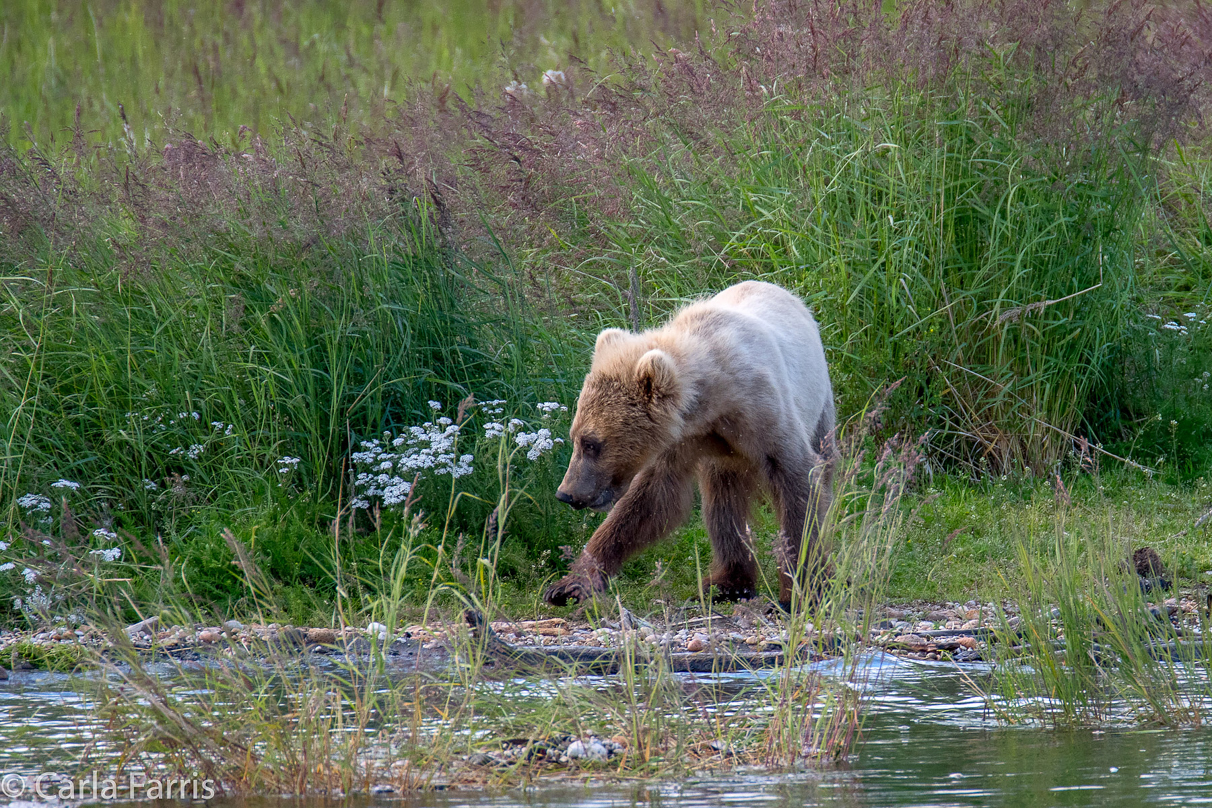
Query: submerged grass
x=1092, y=643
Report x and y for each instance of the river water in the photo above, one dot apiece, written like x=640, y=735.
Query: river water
x=927, y=742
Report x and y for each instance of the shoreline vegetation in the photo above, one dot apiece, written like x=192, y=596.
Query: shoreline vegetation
x=293, y=315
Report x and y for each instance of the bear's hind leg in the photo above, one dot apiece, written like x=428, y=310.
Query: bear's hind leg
x=801, y=493
x=727, y=493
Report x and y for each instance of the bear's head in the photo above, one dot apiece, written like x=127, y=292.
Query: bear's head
x=628, y=411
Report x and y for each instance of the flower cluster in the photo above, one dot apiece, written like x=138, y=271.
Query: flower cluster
x=539, y=442
x=549, y=407
x=35, y=503
x=386, y=467
x=27, y=556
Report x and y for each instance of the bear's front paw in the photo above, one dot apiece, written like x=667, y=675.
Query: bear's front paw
x=576, y=588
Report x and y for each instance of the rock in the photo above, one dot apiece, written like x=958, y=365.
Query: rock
x=321, y=636
x=382, y=788
x=695, y=645
x=233, y=625
x=630, y=622
x=143, y=626
x=207, y=636
x=377, y=630
x=3, y=673
x=575, y=751
x=596, y=752
x=913, y=642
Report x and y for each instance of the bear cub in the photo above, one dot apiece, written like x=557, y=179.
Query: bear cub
x=732, y=392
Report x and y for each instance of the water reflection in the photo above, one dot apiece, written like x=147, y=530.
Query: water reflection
x=928, y=742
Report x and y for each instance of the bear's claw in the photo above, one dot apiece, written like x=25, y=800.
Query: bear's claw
x=572, y=587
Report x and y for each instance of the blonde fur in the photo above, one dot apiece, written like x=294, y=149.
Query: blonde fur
x=735, y=391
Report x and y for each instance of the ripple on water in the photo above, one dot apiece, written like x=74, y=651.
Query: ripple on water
x=928, y=741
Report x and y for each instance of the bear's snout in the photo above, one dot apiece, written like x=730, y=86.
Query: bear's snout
x=601, y=502
x=569, y=499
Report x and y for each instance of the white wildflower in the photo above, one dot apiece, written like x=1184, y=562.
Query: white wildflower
x=102, y=533
x=494, y=429
x=554, y=78
x=150, y=485
x=6, y=566
x=34, y=502
x=196, y=450
x=29, y=575
x=360, y=504
x=112, y=554
x=548, y=407
x=3, y=546
x=540, y=443
x=66, y=484
x=435, y=405
x=1153, y=316
x=517, y=90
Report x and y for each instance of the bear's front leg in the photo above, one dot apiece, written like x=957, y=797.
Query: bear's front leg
x=658, y=500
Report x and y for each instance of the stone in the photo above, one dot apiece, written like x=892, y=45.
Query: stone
x=377, y=630
x=695, y=645
x=596, y=752
x=575, y=751
x=913, y=642
x=233, y=625
x=143, y=626
x=321, y=636
x=207, y=636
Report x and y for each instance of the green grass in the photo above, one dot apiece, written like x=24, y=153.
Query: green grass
x=312, y=287
x=210, y=69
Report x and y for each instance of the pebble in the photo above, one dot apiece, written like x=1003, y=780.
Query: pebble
x=377, y=630
x=207, y=636
x=695, y=645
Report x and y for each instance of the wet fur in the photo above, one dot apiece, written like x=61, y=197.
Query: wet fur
x=733, y=392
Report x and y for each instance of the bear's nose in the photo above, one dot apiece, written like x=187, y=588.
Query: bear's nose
x=568, y=499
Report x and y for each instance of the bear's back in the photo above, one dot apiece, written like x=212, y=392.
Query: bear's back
x=762, y=345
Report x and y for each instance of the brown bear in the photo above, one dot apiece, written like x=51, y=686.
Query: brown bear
x=733, y=391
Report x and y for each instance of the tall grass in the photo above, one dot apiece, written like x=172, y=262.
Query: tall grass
x=286, y=725
x=214, y=68
x=988, y=200
x=1088, y=647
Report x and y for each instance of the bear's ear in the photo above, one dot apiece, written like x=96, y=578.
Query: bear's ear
x=656, y=376
x=611, y=336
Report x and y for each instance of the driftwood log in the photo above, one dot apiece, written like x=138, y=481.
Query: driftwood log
x=578, y=660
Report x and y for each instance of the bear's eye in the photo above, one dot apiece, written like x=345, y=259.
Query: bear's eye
x=591, y=447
